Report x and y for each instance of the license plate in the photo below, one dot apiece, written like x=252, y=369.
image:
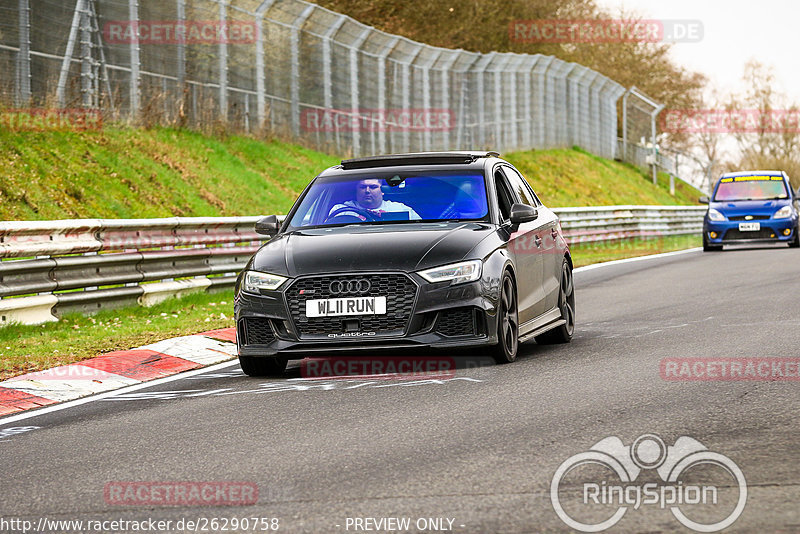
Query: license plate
x=346, y=306
x=749, y=227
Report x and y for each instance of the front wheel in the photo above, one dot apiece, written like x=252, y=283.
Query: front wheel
x=507, y=322
x=566, y=303
x=262, y=365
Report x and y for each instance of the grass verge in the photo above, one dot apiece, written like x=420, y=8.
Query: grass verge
x=76, y=337
x=28, y=348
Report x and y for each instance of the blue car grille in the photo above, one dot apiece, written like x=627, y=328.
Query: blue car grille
x=735, y=233
x=752, y=218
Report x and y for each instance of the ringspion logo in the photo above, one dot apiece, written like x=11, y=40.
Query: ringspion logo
x=592, y=490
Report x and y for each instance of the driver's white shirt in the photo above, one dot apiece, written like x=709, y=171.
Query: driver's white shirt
x=386, y=206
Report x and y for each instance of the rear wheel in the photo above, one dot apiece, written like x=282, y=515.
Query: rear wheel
x=507, y=322
x=566, y=302
x=262, y=365
x=707, y=247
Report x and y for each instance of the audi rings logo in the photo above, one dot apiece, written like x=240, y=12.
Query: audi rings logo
x=349, y=287
x=605, y=498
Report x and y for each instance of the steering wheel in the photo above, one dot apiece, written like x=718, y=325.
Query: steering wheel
x=371, y=217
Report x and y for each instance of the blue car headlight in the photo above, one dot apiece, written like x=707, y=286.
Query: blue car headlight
x=715, y=215
x=783, y=213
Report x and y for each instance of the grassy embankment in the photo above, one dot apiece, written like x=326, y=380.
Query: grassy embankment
x=131, y=173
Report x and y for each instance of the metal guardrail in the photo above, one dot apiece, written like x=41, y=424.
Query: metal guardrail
x=608, y=223
x=54, y=267
x=49, y=268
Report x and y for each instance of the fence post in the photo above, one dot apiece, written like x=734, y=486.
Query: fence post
x=527, y=132
x=354, y=101
x=653, y=141
x=86, y=58
x=261, y=99
x=23, y=88
x=327, y=74
x=180, y=9
x=223, y=64
x=426, y=95
x=499, y=98
x=61, y=89
x=406, y=83
x=382, y=55
x=295, y=68
x=446, y=68
x=133, y=16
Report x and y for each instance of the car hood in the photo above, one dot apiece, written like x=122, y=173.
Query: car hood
x=749, y=207
x=406, y=247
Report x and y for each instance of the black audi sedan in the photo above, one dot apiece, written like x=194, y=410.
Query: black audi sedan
x=428, y=250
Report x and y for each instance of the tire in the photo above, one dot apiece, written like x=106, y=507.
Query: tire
x=708, y=247
x=795, y=243
x=263, y=365
x=566, y=303
x=507, y=322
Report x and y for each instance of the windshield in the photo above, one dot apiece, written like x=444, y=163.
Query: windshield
x=392, y=198
x=751, y=188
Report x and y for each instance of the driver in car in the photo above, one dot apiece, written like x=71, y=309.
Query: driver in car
x=369, y=196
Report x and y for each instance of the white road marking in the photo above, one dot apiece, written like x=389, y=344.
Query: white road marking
x=78, y=402
x=638, y=258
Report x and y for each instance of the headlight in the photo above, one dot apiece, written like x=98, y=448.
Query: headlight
x=254, y=281
x=714, y=215
x=465, y=271
x=783, y=213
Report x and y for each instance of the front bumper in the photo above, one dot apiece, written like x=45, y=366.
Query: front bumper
x=441, y=316
x=728, y=233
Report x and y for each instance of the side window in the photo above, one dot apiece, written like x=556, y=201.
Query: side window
x=521, y=187
x=505, y=196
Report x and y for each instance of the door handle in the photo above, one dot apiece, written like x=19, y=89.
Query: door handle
x=554, y=233
x=538, y=241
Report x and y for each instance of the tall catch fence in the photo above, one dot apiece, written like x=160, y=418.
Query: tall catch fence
x=294, y=68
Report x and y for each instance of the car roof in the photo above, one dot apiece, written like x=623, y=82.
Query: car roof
x=458, y=158
x=751, y=173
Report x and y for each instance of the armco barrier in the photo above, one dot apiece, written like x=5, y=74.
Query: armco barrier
x=53, y=267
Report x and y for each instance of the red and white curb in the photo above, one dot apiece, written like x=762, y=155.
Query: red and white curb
x=116, y=370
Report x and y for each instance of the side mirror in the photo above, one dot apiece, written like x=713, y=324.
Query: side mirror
x=267, y=225
x=703, y=200
x=522, y=213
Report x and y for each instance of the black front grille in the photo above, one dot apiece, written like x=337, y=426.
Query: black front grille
x=399, y=290
x=456, y=322
x=752, y=218
x=735, y=233
x=255, y=331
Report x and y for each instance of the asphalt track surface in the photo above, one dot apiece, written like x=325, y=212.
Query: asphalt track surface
x=480, y=448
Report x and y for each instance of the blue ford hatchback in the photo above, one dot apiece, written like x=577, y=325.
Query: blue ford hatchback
x=751, y=207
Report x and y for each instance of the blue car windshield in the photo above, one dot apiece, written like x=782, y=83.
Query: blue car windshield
x=751, y=188
x=392, y=198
